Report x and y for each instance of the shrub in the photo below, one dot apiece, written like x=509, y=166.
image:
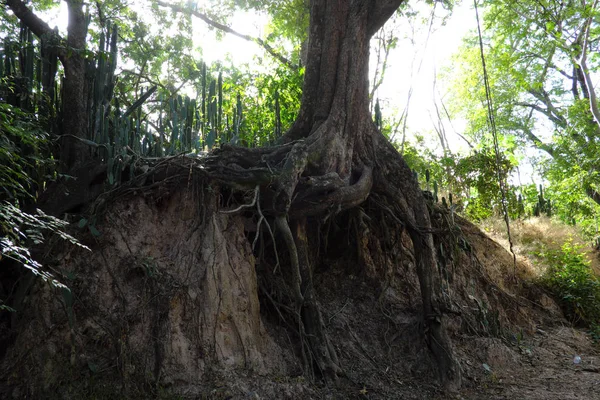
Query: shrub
x=574, y=284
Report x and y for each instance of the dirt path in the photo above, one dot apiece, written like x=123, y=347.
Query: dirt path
x=541, y=368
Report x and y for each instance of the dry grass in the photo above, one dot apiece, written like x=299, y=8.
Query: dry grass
x=536, y=234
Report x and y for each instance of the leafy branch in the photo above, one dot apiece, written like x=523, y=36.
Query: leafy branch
x=19, y=227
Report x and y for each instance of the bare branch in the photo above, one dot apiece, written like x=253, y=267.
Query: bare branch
x=33, y=22
x=537, y=142
x=379, y=12
x=228, y=29
x=451, y=125
x=550, y=111
x=548, y=63
x=383, y=51
x=582, y=62
x=592, y=193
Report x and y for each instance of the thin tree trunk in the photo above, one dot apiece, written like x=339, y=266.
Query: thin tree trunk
x=72, y=57
x=75, y=118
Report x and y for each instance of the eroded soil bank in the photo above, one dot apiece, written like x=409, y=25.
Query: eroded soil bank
x=171, y=303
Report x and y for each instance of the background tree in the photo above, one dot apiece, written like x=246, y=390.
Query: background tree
x=71, y=53
x=536, y=55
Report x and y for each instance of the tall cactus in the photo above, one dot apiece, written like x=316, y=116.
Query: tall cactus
x=204, y=114
x=104, y=80
x=378, y=117
x=277, y=117
x=219, y=126
x=26, y=61
x=543, y=205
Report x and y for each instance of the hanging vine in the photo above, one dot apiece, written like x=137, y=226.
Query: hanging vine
x=492, y=125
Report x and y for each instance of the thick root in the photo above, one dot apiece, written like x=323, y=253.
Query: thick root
x=322, y=352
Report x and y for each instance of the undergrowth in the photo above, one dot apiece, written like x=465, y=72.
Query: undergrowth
x=573, y=283
x=559, y=258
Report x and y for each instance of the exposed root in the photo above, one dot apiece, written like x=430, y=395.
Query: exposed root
x=283, y=226
x=394, y=180
x=323, y=353
x=283, y=189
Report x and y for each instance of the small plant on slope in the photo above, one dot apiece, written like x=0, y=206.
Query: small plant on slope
x=574, y=284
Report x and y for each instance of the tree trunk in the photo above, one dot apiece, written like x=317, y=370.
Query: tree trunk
x=74, y=109
x=342, y=142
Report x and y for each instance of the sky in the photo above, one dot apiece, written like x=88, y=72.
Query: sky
x=416, y=66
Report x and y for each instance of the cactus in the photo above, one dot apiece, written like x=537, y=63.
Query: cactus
x=543, y=205
x=378, y=118
x=277, y=132
x=140, y=100
x=212, y=105
x=174, y=122
x=26, y=60
x=204, y=117
x=219, y=102
x=520, y=206
x=183, y=105
x=237, y=118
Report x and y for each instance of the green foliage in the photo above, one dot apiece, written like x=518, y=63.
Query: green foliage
x=472, y=180
x=574, y=284
x=478, y=173
x=24, y=168
x=270, y=101
x=532, y=50
x=20, y=230
x=566, y=188
x=23, y=152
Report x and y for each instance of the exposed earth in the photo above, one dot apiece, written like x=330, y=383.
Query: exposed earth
x=168, y=303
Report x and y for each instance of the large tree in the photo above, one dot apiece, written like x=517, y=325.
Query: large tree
x=336, y=158
x=332, y=159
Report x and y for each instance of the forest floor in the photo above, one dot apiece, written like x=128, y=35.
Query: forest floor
x=542, y=367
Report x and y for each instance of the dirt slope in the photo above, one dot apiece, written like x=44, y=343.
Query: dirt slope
x=169, y=304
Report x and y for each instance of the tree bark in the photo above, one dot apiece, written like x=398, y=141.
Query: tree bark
x=74, y=105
